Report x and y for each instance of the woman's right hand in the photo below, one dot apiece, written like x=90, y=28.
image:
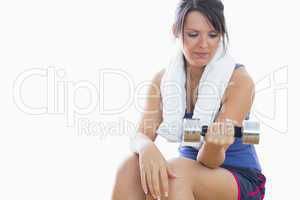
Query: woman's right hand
x=154, y=171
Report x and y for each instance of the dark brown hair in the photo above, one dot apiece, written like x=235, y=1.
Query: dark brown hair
x=212, y=9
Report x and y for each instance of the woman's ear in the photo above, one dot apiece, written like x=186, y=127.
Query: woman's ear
x=174, y=30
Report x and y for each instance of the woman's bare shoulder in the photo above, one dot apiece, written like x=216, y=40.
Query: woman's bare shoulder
x=240, y=82
x=241, y=77
x=158, y=76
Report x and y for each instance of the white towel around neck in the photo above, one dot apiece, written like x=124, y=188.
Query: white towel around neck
x=211, y=88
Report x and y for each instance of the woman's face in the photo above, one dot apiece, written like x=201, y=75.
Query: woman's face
x=200, y=39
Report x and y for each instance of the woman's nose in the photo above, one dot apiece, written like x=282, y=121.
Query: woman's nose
x=203, y=43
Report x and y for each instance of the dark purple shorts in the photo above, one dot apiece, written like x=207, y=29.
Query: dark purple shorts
x=251, y=182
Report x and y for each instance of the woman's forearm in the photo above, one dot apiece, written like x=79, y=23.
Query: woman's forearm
x=211, y=156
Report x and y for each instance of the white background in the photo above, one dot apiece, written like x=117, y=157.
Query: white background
x=42, y=157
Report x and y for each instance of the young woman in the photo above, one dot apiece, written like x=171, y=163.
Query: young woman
x=223, y=168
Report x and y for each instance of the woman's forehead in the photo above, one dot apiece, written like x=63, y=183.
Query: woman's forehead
x=195, y=20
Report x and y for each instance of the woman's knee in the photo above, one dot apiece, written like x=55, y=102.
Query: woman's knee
x=127, y=180
x=180, y=187
x=181, y=166
x=201, y=180
x=129, y=168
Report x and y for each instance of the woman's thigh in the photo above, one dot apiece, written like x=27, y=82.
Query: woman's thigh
x=205, y=183
x=128, y=180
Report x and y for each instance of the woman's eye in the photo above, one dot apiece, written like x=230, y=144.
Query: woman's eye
x=192, y=34
x=213, y=35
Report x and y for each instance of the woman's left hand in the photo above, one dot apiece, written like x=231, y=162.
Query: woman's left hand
x=220, y=134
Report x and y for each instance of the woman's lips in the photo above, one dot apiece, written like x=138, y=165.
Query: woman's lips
x=201, y=55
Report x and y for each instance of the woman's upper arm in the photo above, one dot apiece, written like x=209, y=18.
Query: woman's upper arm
x=239, y=96
x=152, y=113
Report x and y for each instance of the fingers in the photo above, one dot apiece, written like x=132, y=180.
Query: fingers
x=210, y=136
x=150, y=178
x=148, y=197
x=156, y=177
x=221, y=133
x=171, y=174
x=143, y=180
x=149, y=182
x=155, y=181
x=230, y=121
x=229, y=126
x=164, y=180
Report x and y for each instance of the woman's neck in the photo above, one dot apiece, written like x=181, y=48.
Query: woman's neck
x=194, y=73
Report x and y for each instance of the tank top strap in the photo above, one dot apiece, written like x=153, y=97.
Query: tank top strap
x=238, y=65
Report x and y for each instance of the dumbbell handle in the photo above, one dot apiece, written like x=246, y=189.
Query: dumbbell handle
x=238, y=131
x=249, y=132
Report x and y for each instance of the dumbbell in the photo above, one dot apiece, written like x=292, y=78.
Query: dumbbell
x=192, y=132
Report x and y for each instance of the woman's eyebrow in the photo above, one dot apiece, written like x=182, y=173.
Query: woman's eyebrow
x=192, y=29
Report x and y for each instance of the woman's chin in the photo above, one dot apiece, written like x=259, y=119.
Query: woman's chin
x=201, y=61
x=200, y=64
